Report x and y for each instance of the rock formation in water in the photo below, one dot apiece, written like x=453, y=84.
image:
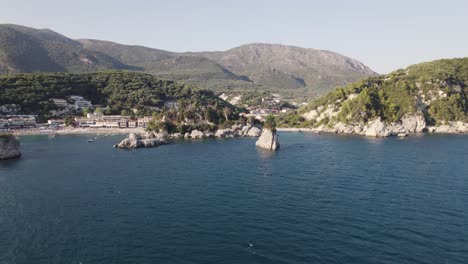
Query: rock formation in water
x=155, y=139
x=268, y=140
x=137, y=141
x=9, y=147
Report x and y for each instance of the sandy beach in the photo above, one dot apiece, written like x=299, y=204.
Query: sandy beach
x=74, y=131
x=292, y=129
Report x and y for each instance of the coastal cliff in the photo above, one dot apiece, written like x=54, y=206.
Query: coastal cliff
x=427, y=97
x=9, y=147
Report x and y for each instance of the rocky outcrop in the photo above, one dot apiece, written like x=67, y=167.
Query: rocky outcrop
x=134, y=141
x=154, y=139
x=413, y=123
x=450, y=128
x=9, y=147
x=377, y=128
x=268, y=140
x=409, y=124
x=196, y=134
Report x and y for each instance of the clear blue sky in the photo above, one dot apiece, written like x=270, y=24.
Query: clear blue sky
x=385, y=35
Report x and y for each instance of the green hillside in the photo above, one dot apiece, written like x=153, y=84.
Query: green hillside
x=120, y=90
x=438, y=90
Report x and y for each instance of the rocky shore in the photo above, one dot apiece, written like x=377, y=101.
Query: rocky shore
x=155, y=139
x=409, y=124
x=9, y=147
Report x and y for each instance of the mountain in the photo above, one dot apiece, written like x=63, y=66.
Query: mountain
x=273, y=67
x=25, y=49
x=289, y=70
x=429, y=96
x=290, y=67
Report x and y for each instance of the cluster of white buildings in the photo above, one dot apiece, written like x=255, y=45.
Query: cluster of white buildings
x=18, y=121
x=98, y=120
x=74, y=102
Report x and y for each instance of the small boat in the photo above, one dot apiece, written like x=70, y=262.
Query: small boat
x=90, y=140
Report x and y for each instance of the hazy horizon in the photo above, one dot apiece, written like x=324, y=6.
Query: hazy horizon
x=384, y=36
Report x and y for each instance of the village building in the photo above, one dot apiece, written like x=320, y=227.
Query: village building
x=143, y=122
x=80, y=102
x=55, y=122
x=24, y=121
x=10, y=108
x=3, y=123
x=61, y=103
x=123, y=123
x=132, y=123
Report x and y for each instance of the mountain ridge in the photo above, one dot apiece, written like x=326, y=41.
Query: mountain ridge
x=271, y=67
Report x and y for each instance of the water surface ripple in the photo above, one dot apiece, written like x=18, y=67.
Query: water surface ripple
x=320, y=199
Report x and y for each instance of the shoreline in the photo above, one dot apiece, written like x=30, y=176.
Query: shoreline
x=75, y=131
x=123, y=131
x=320, y=131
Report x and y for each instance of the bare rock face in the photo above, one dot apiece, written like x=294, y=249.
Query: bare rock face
x=450, y=128
x=413, y=123
x=377, y=128
x=137, y=141
x=254, y=132
x=9, y=147
x=196, y=134
x=268, y=140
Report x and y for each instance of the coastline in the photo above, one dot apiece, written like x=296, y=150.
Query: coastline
x=123, y=131
x=75, y=131
x=443, y=130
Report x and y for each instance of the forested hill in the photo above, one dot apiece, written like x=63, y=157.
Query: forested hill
x=437, y=90
x=120, y=90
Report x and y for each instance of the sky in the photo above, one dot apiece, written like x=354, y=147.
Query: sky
x=385, y=35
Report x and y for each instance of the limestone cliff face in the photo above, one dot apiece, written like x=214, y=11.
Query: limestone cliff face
x=268, y=140
x=9, y=147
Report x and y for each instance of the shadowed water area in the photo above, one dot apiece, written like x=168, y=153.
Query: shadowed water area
x=320, y=199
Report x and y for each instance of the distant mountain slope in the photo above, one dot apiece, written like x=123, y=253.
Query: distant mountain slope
x=25, y=49
x=290, y=67
x=192, y=69
x=289, y=70
x=271, y=66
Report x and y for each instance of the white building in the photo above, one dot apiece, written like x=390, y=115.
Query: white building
x=3, y=123
x=80, y=102
x=61, y=103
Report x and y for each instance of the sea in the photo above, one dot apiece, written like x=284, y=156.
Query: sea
x=319, y=199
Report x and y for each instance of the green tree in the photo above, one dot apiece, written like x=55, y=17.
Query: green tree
x=270, y=122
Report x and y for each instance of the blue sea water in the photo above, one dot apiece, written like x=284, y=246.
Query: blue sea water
x=320, y=199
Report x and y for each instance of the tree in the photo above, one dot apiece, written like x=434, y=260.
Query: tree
x=69, y=121
x=86, y=111
x=226, y=113
x=125, y=113
x=270, y=122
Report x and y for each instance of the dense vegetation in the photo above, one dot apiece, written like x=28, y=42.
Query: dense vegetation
x=438, y=89
x=120, y=90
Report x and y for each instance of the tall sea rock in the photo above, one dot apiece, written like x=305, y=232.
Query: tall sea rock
x=268, y=140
